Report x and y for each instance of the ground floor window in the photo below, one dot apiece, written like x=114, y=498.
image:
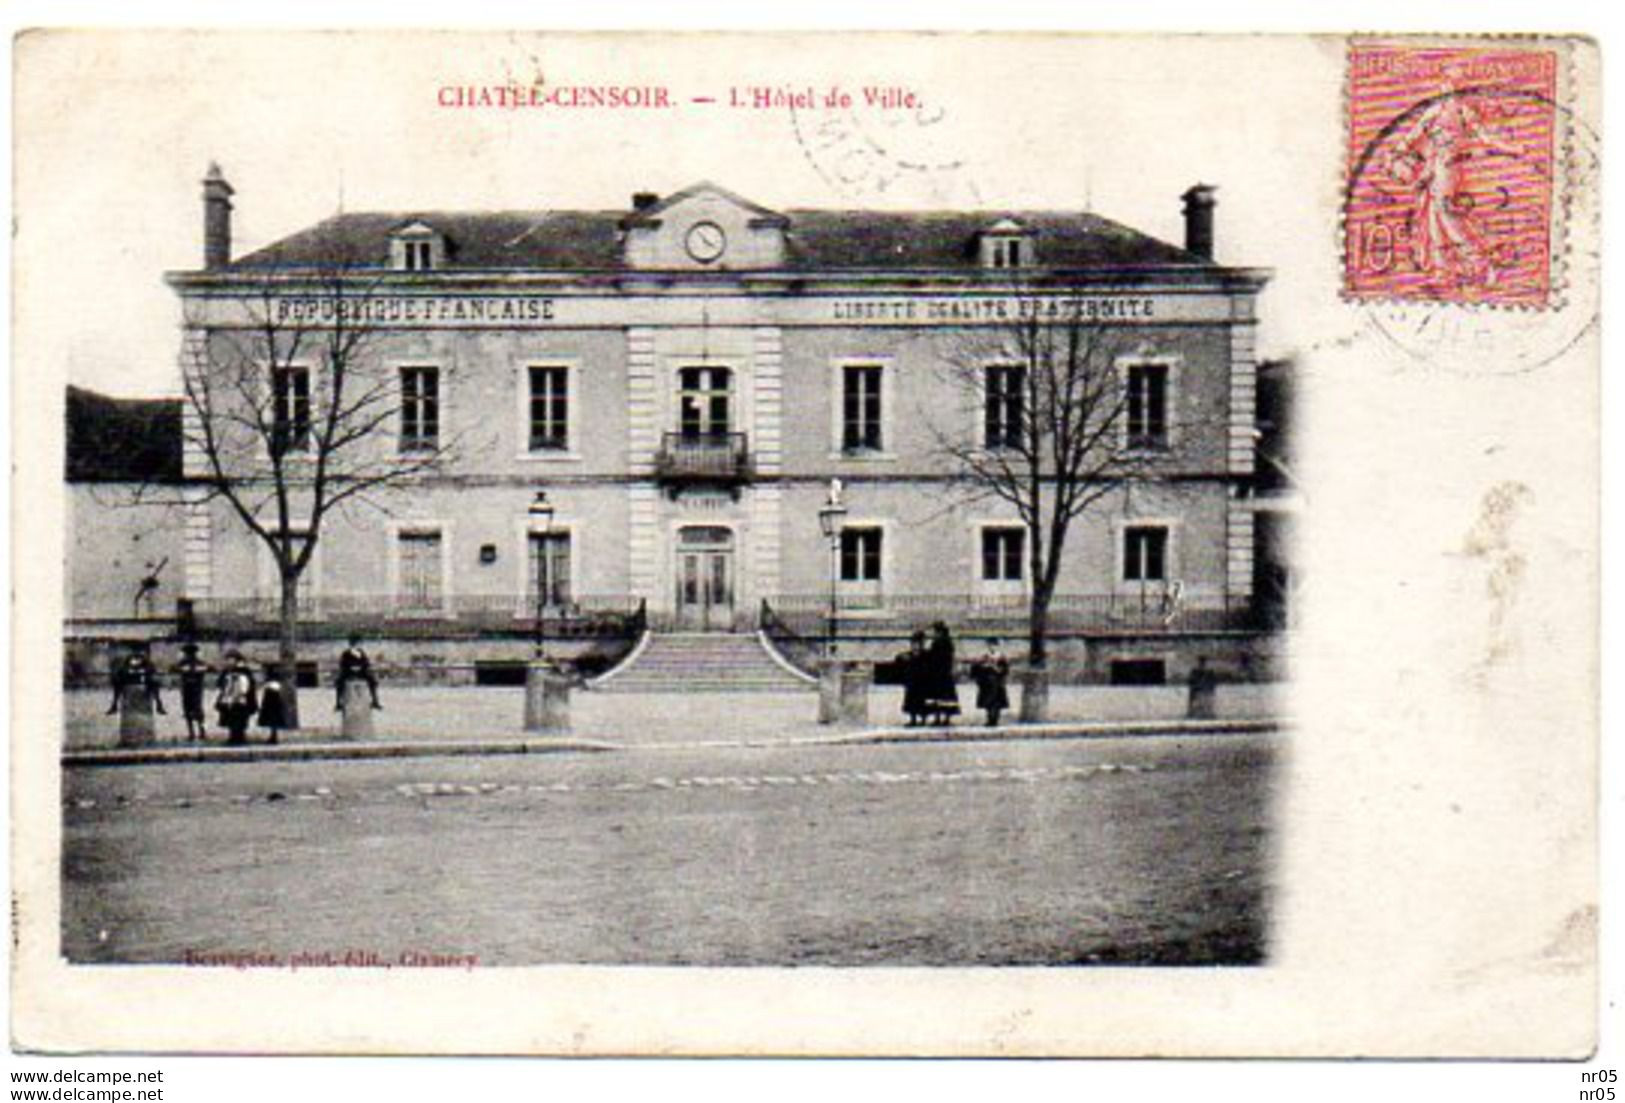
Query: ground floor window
x=1145, y=553
x=420, y=570
x=860, y=554
x=549, y=568
x=1004, y=554
x=861, y=562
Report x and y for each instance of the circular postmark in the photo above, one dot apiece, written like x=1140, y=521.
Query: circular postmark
x=862, y=151
x=1471, y=230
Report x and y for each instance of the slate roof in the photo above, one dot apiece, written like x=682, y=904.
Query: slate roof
x=122, y=439
x=818, y=240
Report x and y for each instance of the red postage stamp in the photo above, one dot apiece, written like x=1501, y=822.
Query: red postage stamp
x=1451, y=154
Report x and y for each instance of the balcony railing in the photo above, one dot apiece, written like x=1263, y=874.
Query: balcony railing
x=1152, y=612
x=706, y=457
x=396, y=615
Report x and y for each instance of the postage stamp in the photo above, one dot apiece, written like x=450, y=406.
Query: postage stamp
x=1452, y=153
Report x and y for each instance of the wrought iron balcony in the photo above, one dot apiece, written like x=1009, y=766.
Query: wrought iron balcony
x=716, y=458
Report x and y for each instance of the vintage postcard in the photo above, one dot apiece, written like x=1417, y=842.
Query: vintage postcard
x=919, y=544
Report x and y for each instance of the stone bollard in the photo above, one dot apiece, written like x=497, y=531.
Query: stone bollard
x=853, y=707
x=829, y=692
x=547, y=698
x=135, y=722
x=1034, y=696
x=357, y=708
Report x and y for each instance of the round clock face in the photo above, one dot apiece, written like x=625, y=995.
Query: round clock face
x=705, y=241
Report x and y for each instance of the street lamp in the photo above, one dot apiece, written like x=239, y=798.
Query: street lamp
x=541, y=518
x=830, y=516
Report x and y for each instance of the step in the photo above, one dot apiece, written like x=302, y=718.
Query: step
x=704, y=663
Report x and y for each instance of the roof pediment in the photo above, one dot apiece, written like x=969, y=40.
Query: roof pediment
x=707, y=192
x=415, y=228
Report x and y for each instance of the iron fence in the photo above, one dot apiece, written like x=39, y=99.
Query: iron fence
x=453, y=616
x=1151, y=612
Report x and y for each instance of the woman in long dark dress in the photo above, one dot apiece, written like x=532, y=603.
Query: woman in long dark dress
x=941, y=695
x=911, y=665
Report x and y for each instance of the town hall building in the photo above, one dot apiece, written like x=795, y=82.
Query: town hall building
x=683, y=380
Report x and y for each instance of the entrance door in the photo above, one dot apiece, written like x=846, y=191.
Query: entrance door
x=705, y=583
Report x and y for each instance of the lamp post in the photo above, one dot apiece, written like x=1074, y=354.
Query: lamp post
x=547, y=693
x=541, y=516
x=830, y=516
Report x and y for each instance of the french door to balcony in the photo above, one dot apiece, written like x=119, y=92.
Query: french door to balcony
x=705, y=403
x=705, y=579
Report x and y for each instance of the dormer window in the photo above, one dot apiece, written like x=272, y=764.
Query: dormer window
x=1006, y=244
x=417, y=247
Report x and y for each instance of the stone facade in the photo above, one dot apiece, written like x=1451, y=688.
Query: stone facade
x=677, y=322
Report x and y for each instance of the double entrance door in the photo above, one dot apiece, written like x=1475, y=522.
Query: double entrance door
x=705, y=578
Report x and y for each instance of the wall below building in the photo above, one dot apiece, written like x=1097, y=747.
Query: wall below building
x=89, y=661
x=115, y=538
x=1237, y=657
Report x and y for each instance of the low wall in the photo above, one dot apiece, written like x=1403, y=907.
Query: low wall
x=1089, y=660
x=1096, y=703
x=87, y=661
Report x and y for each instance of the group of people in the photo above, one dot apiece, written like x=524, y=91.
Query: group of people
x=930, y=680
x=241, y=698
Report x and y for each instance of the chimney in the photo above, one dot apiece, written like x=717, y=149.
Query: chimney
x=1199, y=204
x=643, y=200
x=216, y=219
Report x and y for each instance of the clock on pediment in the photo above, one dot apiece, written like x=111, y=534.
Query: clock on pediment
x=705, y=241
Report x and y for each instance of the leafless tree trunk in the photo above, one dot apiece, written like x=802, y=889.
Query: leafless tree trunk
x=1041, y=424
x=290, y=415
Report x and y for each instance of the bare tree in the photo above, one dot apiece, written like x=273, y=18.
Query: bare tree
x=1043, y=422
x=291, y=414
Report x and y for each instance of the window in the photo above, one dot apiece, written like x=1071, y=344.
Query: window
x=290, y=409
x=1148, y=405
x=419, y=580
x=420, y=409
x=703, y=402
x=416, y=247
x=860, y=554
x=419, y=256
x=549, y=561
x=1005, y=253
x=1138, y=672
x=549, y=409
x=1006, y=244
x=860, y=408
x=1003, y=558
x=1005, y=405
x=1145, y=553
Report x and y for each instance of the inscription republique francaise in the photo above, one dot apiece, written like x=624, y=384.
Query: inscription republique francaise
x=522, y=310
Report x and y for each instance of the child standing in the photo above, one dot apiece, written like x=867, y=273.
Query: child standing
x=273, y=704
x=193, y=673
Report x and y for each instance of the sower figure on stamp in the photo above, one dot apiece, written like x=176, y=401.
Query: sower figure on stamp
x=355, y=666
x=237, y=701
x=991, y=673
x=193, y=674
x=1430, y=157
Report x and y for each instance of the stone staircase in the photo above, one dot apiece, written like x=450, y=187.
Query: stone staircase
x=708, y=662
